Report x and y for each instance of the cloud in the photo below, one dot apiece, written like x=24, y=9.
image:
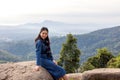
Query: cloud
x=71, y=11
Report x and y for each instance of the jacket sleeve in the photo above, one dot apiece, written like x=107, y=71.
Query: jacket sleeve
x=51, y=57
x=38, y=53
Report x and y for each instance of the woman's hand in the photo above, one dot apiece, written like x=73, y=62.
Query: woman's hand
x=55, y=62
x=37, y=68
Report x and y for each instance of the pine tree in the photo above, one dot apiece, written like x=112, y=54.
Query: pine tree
x=70, y=55
x=100, y=60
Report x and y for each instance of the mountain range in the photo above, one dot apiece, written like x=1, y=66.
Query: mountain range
x=18, y=41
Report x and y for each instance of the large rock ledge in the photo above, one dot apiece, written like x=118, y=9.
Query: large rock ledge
x=102, y=74
x=24, y=71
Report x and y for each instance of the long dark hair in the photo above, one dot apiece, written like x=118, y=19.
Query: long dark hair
x=39, y=37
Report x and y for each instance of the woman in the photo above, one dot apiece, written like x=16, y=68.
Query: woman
x=44, y=56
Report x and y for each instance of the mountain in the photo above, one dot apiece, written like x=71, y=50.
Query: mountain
x=8, y=57
x=108, y=37
x=65, y=28
x=29, y=30
x=19, y=40
x=90, y=42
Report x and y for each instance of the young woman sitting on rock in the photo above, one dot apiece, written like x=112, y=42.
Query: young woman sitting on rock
x=44, y=56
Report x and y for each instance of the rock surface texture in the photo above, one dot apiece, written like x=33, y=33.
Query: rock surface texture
x=22, y=71
x=74, y=76
x=102, y=74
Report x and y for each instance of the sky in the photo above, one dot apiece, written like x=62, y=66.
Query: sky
x=102, y=12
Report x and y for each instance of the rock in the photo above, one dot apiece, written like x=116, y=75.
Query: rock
x=74, y=76
x=22, y=71
x=102, y=74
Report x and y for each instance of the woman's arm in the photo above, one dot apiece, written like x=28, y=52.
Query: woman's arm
x=38, y=53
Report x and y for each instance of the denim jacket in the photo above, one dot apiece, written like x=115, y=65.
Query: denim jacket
x=41, y=52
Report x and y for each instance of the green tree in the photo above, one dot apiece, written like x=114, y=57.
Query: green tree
x=100, y=60
x=86, y=66
x=114, y=62
x=94, y=61
x=70, y=55
x=104, y=56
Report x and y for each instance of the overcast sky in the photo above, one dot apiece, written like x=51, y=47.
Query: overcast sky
x=104, y=12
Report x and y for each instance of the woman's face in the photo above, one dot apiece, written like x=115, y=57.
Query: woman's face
x=44, y=34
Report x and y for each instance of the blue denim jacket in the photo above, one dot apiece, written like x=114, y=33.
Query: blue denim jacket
x=41, y=52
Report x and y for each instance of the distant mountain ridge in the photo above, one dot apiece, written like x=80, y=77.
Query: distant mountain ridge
x=58, y=28
x=109, y=37
x=23, y=42
x=90, y=42
x=6, y=56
